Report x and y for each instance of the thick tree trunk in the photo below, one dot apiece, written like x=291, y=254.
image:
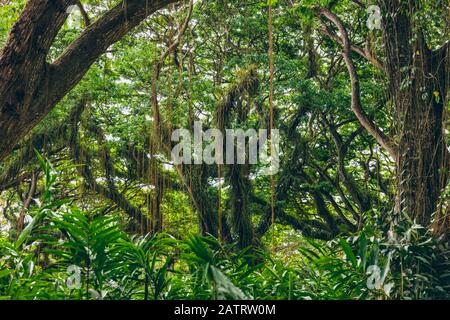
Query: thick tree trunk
x=30, y=86
x=240, y=205
x=418, y=87
x=203, y=201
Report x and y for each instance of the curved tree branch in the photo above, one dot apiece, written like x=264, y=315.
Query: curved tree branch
x=29, y=86
x=158, y=66
x=365, y=53
x=357, y=109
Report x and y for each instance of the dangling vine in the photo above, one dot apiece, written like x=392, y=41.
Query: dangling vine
x=271, y=76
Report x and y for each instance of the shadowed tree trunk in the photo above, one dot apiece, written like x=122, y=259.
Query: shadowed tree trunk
x=240, y=205
x=30, y=86
x=418, y=87
x=419, y=83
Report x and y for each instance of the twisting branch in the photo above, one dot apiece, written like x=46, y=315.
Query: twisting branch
x=85, y=15
x=336, y=185
x=158, y=128
x=30, y=86
x=82, y=158
x=357, y=109
x=158, y=66
x=162, y=131
x=341, y=149
x=365, y=53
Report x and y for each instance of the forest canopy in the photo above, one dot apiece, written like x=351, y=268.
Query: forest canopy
x=345, y=104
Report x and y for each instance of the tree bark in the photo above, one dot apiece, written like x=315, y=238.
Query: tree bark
x=30, y=87
x=419, y=84
x=418, y=87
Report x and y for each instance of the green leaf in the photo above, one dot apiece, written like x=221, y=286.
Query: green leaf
x=348, y=252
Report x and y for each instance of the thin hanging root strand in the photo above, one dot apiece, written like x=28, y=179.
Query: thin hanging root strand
x=159, y=133
x=271, y=71
x=219, y=168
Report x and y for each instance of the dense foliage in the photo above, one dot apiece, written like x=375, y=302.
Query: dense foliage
x=92, y=206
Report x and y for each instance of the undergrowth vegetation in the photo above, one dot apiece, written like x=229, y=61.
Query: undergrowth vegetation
x=65, y=253
x=199, y=149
